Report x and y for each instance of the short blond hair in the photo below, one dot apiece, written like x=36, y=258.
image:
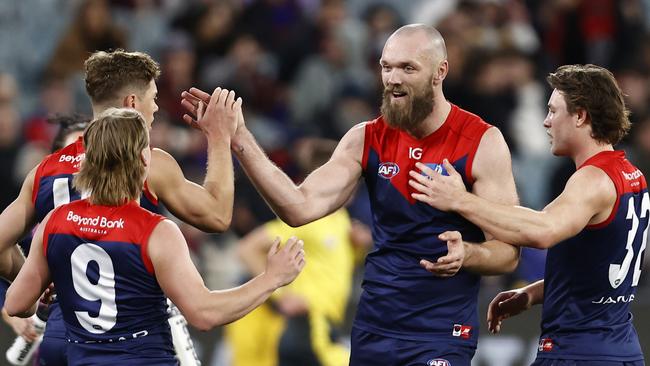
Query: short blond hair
x=113, y=171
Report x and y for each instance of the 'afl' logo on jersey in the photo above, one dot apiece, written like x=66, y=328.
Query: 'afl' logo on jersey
x=388, y=170
x=438, y=362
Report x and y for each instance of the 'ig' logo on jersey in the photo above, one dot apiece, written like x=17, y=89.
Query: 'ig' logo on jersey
x=388, y=170
x=438, y=362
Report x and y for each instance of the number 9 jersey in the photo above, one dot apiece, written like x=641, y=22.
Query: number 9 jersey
x=113, y=307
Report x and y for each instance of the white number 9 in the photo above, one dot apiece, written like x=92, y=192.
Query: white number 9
x=104, y=290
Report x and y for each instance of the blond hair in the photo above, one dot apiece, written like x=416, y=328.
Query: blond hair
x=113, y=171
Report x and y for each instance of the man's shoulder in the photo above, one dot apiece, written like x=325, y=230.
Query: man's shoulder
x=66, y=160
x=468, y=123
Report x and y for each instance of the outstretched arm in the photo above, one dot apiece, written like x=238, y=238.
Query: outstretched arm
x=324, y=191
x=563, y=218
x=15, y=221
x=32, y=280
x=207, y=207
x=493, y=181
x=206, y=309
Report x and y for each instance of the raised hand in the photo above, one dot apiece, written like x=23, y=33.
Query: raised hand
x=505, y=305
x=193, y=101
x=437, y=190
x=284, y=264
x=451, y=263
x=216, y=113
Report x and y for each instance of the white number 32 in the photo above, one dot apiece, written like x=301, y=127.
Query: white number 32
x=618, y=272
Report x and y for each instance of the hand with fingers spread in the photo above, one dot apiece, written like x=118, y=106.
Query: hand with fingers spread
x=284, y=264
x=217, y=113
x=505, y=305
x=450, y=264
x=437, y=190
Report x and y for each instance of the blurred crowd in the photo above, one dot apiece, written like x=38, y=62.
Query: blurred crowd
x=309, y=68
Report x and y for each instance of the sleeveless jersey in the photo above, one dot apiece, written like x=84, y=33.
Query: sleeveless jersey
x=53, y=187
x=401, y=299
x=53, y=181
x=591, y=278
x=104, y=278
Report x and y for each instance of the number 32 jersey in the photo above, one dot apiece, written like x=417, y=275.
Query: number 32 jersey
x=591, y=278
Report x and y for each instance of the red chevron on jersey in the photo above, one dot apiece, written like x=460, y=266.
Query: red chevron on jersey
x=128, y=223
x=456, y=140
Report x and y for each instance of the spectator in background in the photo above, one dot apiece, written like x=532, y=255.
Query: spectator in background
x=91, y=30
x=211, y=26
x=10, y=139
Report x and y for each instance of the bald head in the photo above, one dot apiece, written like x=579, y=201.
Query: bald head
x=431, y=40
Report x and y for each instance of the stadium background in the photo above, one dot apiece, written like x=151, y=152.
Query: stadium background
x=310, y=68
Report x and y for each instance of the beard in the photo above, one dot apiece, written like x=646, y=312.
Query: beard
x=408, y=115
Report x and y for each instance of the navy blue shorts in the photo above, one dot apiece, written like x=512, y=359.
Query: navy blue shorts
x=552, y=362
x=152, y=350
x=54, y=347
x=369, y=349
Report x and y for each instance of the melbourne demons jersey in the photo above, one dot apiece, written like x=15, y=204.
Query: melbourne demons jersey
x=400, y=298
x=104, y=277
x=53, y=181
x=591, y=278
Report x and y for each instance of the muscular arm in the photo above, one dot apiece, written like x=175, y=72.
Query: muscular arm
x=206, y=309
x=207, y=207
x=492, y=170
x=32, y=280
x=324, y=191
x=563, y=218
x=15, y=221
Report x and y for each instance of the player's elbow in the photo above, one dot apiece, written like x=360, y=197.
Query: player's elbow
x=542, y=238
x=511, y=265
x=294, y=218
x=217, y=222
x=202, y=320
x=13, y=306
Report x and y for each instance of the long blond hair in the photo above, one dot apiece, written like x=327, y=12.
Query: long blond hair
x=113, y=170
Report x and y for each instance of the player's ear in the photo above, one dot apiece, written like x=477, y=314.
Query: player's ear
x=129, y=101
x=440, y=72
x=582, y=117
x=145, y=156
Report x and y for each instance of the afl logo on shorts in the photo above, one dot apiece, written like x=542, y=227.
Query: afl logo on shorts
x=438, y=362
x=388, y=170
